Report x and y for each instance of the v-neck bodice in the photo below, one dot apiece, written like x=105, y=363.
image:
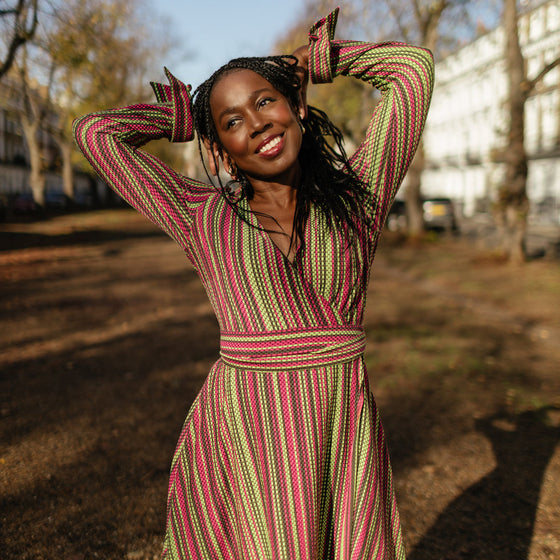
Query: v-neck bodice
x=252, y=216
x=254, y=287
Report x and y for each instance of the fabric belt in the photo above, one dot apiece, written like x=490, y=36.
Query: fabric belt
x=292, y=349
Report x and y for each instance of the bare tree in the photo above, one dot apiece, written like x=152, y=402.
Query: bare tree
x=103, y=54
x=348, y=103
x=421, y=22
x=87, y=55
x=512, y=206
x=34, y=110
x=18, y=24
x=97, y=52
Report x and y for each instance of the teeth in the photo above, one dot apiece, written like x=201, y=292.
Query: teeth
x=270, y=145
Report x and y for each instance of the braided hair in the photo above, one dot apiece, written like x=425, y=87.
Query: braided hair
x=327, y=182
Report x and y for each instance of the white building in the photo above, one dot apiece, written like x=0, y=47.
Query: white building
x=14, y=154
x=467, y=121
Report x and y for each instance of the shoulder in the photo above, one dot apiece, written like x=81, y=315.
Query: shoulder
x=207, y=198
x=195, y=189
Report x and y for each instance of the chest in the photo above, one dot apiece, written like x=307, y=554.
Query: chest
x=237, y=251
x=278, y=223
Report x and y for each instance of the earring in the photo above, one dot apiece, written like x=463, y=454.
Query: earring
x=301, y=126
x=233, y=170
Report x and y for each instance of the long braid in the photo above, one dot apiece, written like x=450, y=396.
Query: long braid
x=328, y=182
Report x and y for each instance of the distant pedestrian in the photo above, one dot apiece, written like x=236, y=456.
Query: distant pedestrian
x=282, y=455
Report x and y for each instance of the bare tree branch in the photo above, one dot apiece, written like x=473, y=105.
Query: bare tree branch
x=529, y=85
x=24, y=26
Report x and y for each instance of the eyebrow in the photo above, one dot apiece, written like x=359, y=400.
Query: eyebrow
x=235, y=109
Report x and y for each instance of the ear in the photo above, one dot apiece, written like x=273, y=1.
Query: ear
x=213, y=153
x=229, y=162
x=302, y=102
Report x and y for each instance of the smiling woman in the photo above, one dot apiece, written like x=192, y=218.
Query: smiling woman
x=282, y=454
x=257, y=127
x=260, y=135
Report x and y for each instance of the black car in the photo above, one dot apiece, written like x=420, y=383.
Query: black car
x=438, y=212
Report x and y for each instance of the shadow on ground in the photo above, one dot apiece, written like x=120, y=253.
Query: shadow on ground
x=497, y=514
x=87, y=438
x=13, y=241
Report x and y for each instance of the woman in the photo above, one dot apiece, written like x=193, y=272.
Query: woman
x=282, y=455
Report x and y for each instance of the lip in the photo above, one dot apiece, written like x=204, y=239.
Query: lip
x=275, y=150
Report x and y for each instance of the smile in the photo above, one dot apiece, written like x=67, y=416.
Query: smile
x=271, y=146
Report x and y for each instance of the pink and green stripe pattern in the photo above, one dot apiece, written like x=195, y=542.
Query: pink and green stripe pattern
x=290, y=350
x=282, y=455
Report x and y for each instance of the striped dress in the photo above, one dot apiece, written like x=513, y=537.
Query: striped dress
x=282, y=455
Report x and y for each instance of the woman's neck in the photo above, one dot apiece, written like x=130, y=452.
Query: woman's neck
x=280, y=192
x=275, y=203
x=274, y=195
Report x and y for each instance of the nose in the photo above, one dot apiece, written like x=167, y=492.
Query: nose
x=258, y=123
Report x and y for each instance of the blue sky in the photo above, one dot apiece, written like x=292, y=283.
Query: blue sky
x=215, y=31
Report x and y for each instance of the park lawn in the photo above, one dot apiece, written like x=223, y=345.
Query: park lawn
x=107, y=336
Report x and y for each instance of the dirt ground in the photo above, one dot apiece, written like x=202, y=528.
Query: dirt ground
x=106, y=337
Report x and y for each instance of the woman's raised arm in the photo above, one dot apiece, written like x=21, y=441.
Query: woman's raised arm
x=110, y=141
x=404, y=75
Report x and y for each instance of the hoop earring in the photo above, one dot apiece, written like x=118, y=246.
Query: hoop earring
x=233, y=171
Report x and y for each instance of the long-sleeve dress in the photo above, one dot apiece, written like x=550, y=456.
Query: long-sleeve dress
x=282, y=454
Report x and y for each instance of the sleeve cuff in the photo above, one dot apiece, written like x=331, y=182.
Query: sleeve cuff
x=178, y=94
x=320, y=37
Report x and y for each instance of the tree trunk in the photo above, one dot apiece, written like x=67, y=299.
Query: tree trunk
x=67, y=170
x=512, y=206
x=428, y=23
x=413, y=194
x=37, y=178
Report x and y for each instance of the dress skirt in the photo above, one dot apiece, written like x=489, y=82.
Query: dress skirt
x=287, y=464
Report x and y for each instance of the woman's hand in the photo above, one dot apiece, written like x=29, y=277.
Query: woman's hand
x=302, y=55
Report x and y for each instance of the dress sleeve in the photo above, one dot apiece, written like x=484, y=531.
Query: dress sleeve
x=404, y=75
x=110, y=141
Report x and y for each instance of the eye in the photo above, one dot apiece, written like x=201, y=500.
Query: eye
x=265, y=101
x=231, y=122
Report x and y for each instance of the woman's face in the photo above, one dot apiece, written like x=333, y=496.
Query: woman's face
x=257, y=126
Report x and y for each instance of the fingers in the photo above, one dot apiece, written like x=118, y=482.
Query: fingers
x=302, y=56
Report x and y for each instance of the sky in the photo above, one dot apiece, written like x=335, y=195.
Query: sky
x=215, y=31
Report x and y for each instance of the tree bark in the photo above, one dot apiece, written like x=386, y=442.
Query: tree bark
x=427, y=20
x=66, y=149
x=512, y=205
x=413, y=194
x=37, y=179
x=24, y=16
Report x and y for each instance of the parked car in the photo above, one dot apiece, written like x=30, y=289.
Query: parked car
x=23, y=204
x=4, y=203
x=56, y=199
x=439, y=213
